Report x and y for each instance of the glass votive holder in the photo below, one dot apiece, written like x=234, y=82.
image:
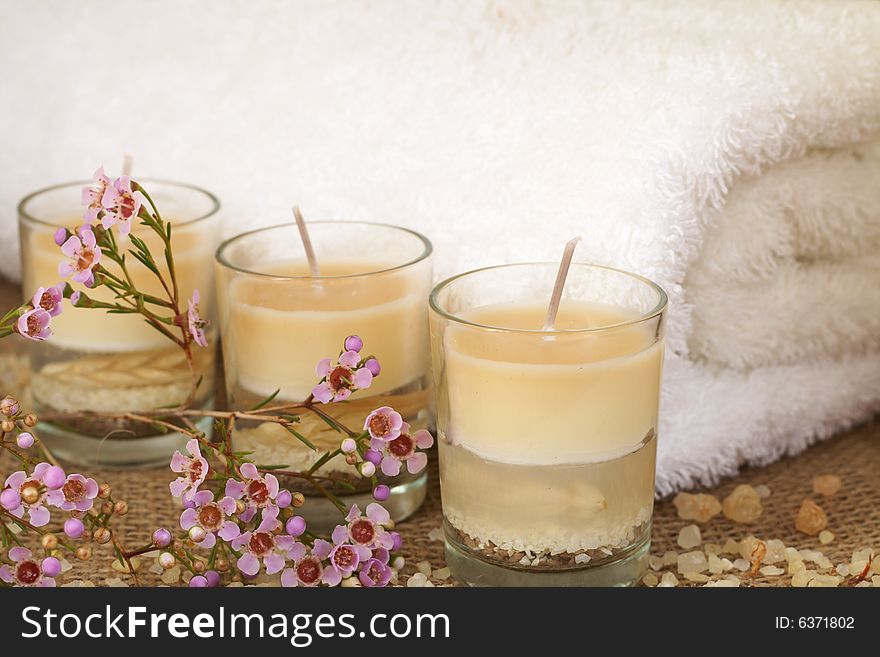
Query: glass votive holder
x=547, y=438
x=278, y=321
x=117, y=363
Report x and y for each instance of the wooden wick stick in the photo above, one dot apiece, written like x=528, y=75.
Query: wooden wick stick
x=307, y=242
x=127, y=163
x=561, y=275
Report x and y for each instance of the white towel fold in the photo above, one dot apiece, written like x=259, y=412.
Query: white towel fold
x=723, y=149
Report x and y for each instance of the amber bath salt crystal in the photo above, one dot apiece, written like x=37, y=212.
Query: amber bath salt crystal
x=743, y=504
x=810, y=519
x=700, y=507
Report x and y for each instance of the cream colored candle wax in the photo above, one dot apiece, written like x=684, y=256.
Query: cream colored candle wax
x=85, y=329
x=275, y=333
x=533, y=398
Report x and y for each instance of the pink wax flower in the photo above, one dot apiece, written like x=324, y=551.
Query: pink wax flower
x=195, y=322
x=121, y=205
x=258, y=492
x=193, y=470
x=374, y=573
x=34, y=325
x=92, y=196
x=348, y=374
x=212, y=517
x=83, y=255
x=76, y=494
x=32, y=490
x=49, y=299
x=383, y=424
x=308, y=570
x=365, y=530
x=343, y=559
x=402, y=449
x=27, y=571
x=263, y=545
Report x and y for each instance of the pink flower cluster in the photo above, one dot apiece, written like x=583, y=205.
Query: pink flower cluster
x=45, y=304
x=346, y=375
x=47, y=486
x=113, y=202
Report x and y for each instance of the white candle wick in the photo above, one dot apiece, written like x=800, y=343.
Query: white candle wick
x=307, y=242
x=561, y=275
x=127, y=163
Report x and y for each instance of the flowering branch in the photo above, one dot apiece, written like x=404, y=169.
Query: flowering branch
x=233, y=508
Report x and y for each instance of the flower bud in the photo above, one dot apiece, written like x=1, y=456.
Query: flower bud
x=373, y=456
x=239, y=506
x=198, y=582
x=199, y=566
x=381, y=492
x=83, y=553
x=197, y=534
x=353, y=343
x=212, y=577
x=298, y=499
x=102, y=535
x=167, y=560
x=24, y=440
x=73, y=527
x=49, y=541
x=61, y=236
x=54, y=478
x=351, y=459
x=283, y=499
x=373, y=365
x=161, y=537
x=51, y=566
x=398, y=563
x=30, y=420
x=296, y=526
x=121, y=507
x=10, y=499
x=104, y=491
x=367, y=469
x=221, y=565
x=106, y=508
x=7, y=426
x=348, y=446
x=9, y=406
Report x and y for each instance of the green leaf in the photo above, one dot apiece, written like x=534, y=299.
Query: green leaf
x=273, y=467
x=266, y=400
x=305, y=441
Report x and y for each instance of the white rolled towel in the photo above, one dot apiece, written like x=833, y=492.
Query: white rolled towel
x=720, y=148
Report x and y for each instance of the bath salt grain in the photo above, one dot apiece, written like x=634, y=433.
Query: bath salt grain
x=650, y=580
x=670, y=558
x=742, y=564
x=826, y=485
x=700, y=506
x=689, y=537
x=771, y=571
x=811, y=519
x=825, y=537
x=424, y=568
x=763, y=491
x=743, y=504
x=668, y=580
x=692, y=562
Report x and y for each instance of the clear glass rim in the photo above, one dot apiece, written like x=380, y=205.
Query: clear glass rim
x=656, y=311
x=23, y=212
x=220, y=257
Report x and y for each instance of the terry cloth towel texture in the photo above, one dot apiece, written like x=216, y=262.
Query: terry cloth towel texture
x=726, y=150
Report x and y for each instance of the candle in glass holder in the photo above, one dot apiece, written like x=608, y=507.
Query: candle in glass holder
x=547, y=436
x=278, y=320
x=117, y=362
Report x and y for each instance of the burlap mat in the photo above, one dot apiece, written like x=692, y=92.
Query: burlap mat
x=854, y=512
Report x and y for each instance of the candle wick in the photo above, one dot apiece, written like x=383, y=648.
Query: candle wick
x=561, y=275
x=127, y=163
x=307, y=242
